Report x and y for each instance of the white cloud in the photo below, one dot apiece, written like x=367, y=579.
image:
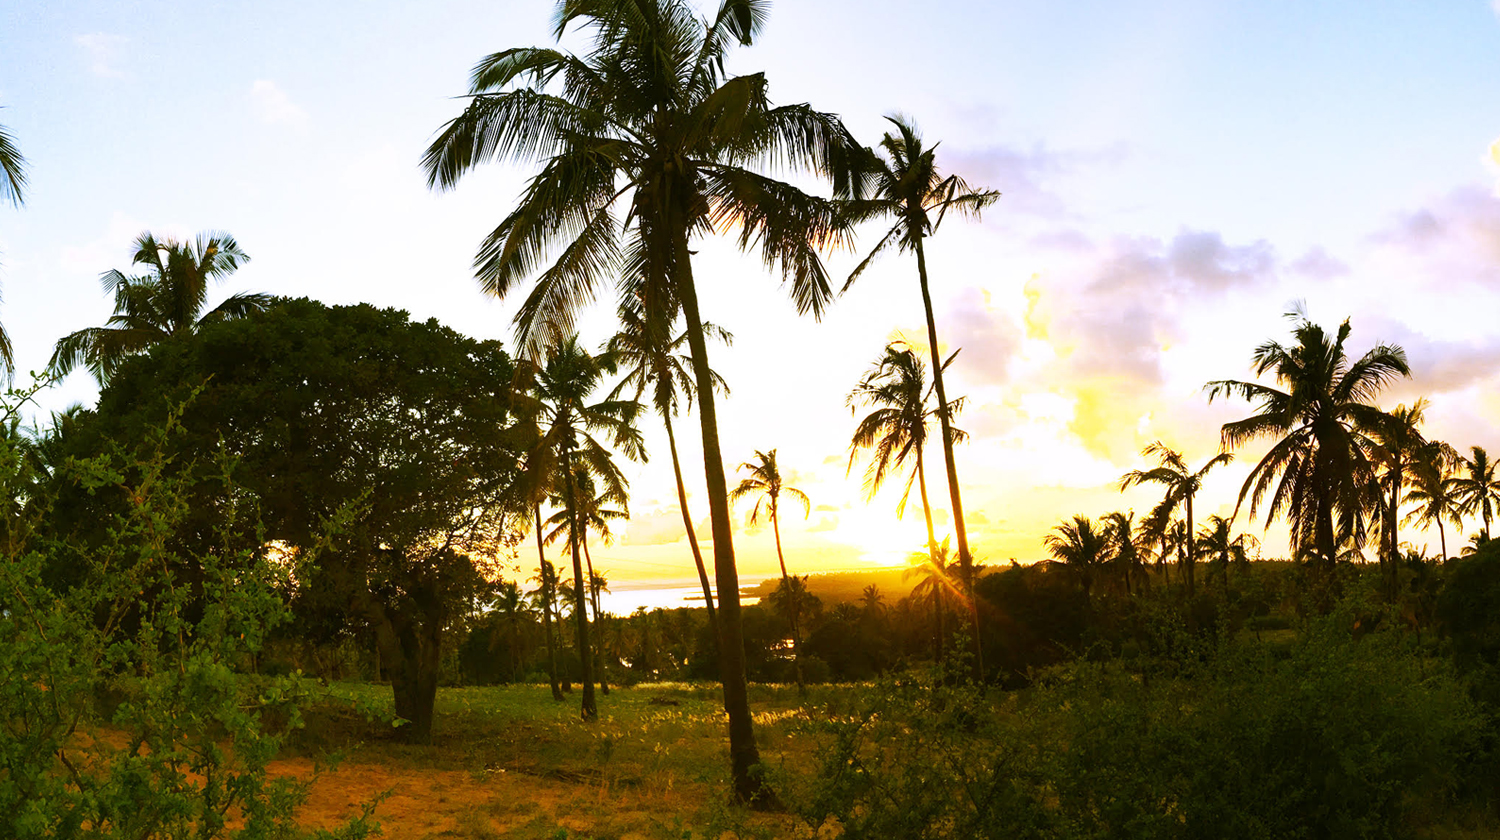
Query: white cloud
x=102, y=50
x=272, y=104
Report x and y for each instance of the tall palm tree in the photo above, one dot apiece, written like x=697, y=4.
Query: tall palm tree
x=907, y=187
x=1120, y=530
x=12, y=189
x=589, y=512
x=1182, y=485
x=935, y=573
x=1435, y=495
x=653, y=362
x=1319, y=425
x=1399, y=445
x=896, y=430
x=164, y=303
x=765, y=483
x=1477, y=487
x=545, y=597
x=648, y=119
x=1082, y=547
x=566, y=449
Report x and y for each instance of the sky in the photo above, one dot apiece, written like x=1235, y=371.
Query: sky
x=1174, y=175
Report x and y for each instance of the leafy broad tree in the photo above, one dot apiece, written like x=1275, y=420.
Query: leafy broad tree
x=907, y=188
x=164, y=303
x=1182, y=483
x=319, y=405
x=1320, y=471
x=645, y=143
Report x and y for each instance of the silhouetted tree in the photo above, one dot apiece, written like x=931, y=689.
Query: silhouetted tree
x=164, y=303
x=1321, y=451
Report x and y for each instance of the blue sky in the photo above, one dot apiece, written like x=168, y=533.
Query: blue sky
x=1174, y=173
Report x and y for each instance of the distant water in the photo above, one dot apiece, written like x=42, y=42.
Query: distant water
x=626, y=598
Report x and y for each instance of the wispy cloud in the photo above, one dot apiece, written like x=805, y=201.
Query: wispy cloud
x=102, y=50
x=273, y=106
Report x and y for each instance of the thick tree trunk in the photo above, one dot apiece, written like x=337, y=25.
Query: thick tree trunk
x=409, y=643
x=960, y=532
x=588, y=708
x=744, y=755
x=692, y=536
x=541, y=554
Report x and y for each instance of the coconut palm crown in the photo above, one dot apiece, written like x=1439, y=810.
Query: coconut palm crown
x=165, y=302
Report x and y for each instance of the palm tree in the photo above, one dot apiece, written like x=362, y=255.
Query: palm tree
x=566, y=451
x=1120, y=530
x=652, y=363
x=647, y=118
x=1322, y=452
x=934, y=571
x=545, y=597
x=1080, y=546
x=1182, y=484
x=1217, y=541
x=1399, y=445
x=1435, y=495
x=907, y=187
x=765, y=483
x=164, y=303
x=589, y=513
x=12, y=189
x=897, y=429
x=510, y=603
x=1476, y=486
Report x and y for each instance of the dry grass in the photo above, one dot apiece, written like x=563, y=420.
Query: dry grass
x=510, y=762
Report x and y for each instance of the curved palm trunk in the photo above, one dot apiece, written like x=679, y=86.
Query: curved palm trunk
x=796, y=603
x=541, y=554
x=589, y=709
x=598, y=622
x=1442, y=539
x=687, y=523
x=744, y=755
x=965, y=561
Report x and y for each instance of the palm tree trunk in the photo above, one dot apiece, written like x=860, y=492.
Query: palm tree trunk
x=796, y=603
x=744, y=755
x=594, y=600
x=687, y=523
x=965, y=560
x=541, y=554
x=1188, y=561
x=589, y=709
x=926, y=507
x=1442, y=539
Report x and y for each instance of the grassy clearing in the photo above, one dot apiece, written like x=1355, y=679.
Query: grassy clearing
x=508, y=761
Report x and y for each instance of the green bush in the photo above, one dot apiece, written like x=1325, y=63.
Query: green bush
x=1337, y=737
x=123, y=710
